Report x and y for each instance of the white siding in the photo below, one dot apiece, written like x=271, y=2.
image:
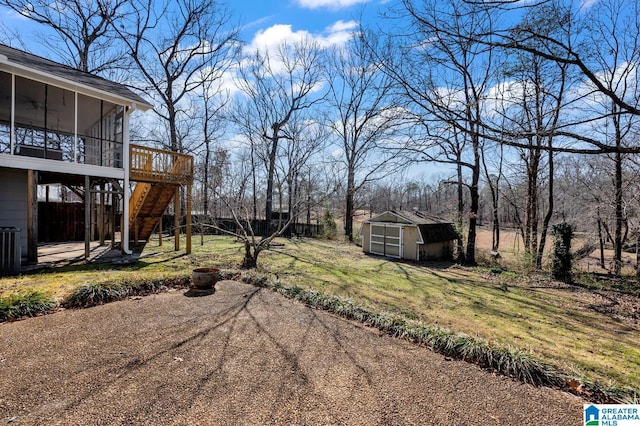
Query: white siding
x=13, y=202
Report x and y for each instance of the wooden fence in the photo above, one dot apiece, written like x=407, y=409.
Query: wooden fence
x=211, y=226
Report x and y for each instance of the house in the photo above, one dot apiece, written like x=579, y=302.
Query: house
x=63, y=128
x=408, y=235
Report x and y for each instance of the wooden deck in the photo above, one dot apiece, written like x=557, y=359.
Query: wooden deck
x=152, y=165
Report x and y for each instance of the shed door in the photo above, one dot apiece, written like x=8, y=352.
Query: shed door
x=386, y=240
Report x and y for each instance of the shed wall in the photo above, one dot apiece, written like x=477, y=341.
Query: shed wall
x=366, y=237
x=436, y=251
x=13, y=205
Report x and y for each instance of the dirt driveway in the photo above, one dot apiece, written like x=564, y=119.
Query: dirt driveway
x=244, y=356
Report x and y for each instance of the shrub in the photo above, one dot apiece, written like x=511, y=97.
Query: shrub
x=329, y=228
x=25, y=304
x=561, y=269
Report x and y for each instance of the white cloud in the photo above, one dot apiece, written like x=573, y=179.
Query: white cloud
x=270, y=38
x=342, y=26
x=329, y=4
x=587, y=4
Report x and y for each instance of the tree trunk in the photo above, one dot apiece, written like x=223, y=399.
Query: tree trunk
x=348, y=215
x=250, y=259
x=205, y=183
x=475, y=204
x=460, y=213
x=272, y=167
x=617, y=244
x=253, y=177
x=548, y=215
x=601, y=239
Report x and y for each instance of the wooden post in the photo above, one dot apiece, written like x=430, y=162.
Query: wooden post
x=122, y=219
x=32, y=216
x=188, y=213
x=160, y=230
x=176, y=218
x=101, y=215
x=87, y=217
x=112, y=218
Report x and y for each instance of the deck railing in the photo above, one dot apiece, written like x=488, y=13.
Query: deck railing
x=159, y=166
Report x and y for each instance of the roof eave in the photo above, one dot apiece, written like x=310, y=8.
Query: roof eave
x=85, y=89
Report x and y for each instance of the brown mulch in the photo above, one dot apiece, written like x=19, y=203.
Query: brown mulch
x=244, y=355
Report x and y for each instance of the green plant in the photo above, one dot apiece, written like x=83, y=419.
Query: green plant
x=329, y=227
x=93, y=294
x=25, y=304
x=561, y=269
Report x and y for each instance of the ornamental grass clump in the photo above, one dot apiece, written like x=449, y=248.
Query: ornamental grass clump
x=93, y=294
x=25, y=304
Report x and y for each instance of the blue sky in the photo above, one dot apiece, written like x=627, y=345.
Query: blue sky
x=263, y=21
x=328, y=21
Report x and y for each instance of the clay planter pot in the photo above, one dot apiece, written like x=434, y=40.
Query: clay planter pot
x=204, y=278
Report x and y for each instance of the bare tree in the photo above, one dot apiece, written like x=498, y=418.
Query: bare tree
x=308, y=139
x=447, y=95
x=279, y=88
x=173, y=44
x=84, y=28
x=366, y=118
x=615, y=33
x=532, y=99
x=213, y=101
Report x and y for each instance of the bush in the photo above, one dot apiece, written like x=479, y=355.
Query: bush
x=25, y=304
x=561, y=269
x=329, y=228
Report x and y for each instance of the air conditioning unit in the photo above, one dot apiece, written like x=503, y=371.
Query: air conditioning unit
x=9, y=251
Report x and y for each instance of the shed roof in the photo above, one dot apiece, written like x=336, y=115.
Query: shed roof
x=409, y=217
x=58, y=71
x=433, y=229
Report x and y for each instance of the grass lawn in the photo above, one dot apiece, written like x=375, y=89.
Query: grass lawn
x=556, y=322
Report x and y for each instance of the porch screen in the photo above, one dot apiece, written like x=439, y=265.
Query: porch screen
x=386, y=240
x=5, y=112
x=100, y=127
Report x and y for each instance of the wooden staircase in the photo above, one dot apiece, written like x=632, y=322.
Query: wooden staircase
x=147, y=205
x=158, y=174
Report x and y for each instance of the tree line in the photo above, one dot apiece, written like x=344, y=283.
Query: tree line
x=512, y=113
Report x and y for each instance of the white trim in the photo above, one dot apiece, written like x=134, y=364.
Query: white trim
x=12, y=131
x=374, y=219
x=75, y=128
x=124, y=236
x=31, y=163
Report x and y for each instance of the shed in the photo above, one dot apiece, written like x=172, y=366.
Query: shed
x=408, y=235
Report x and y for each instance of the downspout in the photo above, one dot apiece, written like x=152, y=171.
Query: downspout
x=127, y=191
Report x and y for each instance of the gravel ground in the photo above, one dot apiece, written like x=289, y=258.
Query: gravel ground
x=244, y=355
